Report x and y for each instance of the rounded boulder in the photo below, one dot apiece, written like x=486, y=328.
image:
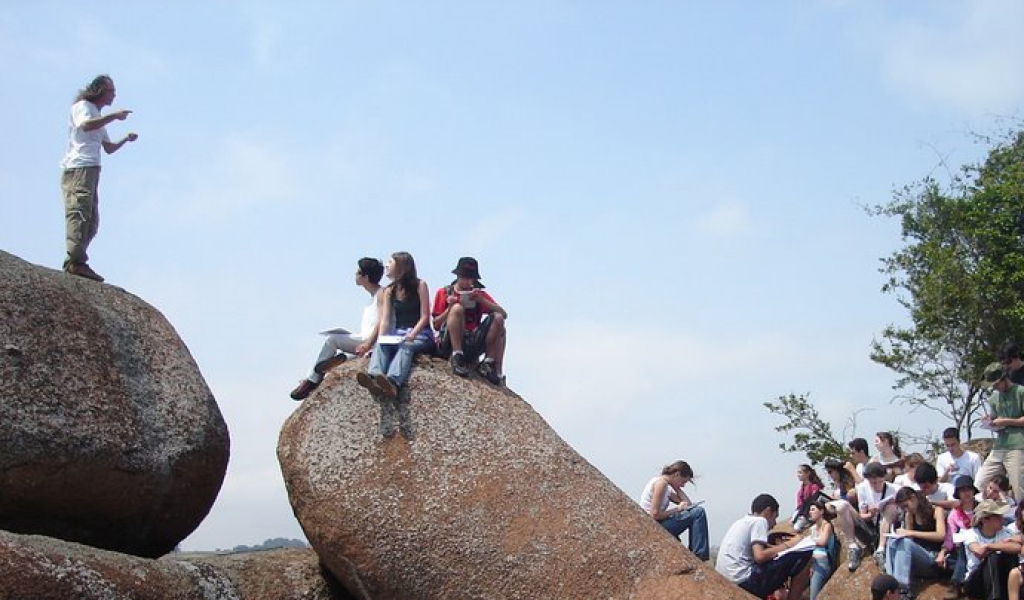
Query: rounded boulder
x=109, y=436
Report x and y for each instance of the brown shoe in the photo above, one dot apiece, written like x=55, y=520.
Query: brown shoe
x=364, y=379
x=386, y=387
x=324, y=366
x=82, y=270
x=304, y=389
x=953, y=593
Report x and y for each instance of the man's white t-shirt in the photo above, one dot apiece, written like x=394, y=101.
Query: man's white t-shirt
x=370, y=317
x=973, y=536
x=967, y=464
x=867, y=497
x=736, y=555
x=944, y=492
x=83, y=146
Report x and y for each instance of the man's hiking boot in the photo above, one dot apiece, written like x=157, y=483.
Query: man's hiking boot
x=879, y=556
x=387, y=388
x=367, y=381
x=855, y=555
x=458, y=363
x=326, y=365
x=82, y=270
x=304, y=389
x=954, y=592
x=487, y=371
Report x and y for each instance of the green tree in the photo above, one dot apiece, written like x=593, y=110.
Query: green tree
x=960, y=276
x=812, y=434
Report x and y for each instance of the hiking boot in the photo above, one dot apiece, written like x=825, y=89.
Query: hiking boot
x=326, y=365
x=954, y=592
x=82, y=270
x=854, y=555
x=367, y=381
x=458, y=363
x=801, y=524
x=486, y=370
x=304, y=389
x=387, y=387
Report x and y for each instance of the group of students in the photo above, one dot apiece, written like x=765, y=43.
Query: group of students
x=400, y=322
x=916, y=519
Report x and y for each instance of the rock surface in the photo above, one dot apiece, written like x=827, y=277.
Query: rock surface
x=484, y=501
x=109, y=435
x=42, y=568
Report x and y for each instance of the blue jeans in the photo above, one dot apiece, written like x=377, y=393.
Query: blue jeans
x=696, y=520
x=821, y=571
x=958, y=559
x=904, y=556
x=395, y=360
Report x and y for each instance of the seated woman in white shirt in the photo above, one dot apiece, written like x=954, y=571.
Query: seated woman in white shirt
x=664, y=499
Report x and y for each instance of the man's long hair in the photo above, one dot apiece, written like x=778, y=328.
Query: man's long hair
x=96, y=88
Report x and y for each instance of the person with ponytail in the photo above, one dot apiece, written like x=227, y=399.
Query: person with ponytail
x=664, y=499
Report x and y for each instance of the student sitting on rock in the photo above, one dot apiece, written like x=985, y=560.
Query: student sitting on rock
x=960, y=519
x=912, y=549
x=810, y=487
x=992, y=552
x=664, y=499
x=335, y=347
x=403, y=331
x=1016, y=578
x=875, y=498
x=470, y=324
x=826, y=553
x=748, y=560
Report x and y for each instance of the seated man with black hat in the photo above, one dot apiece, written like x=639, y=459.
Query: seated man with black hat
x=470, y=324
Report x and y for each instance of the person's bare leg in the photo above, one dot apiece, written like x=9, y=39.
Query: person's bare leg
x=495, y=342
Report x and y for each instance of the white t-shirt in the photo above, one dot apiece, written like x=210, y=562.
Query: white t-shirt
x=967, y=464
x=370, y=317
x=736, y=555
x=83, y=146
x=903, y=481
x=973, y=536
x=867, y=497
x=945, y=491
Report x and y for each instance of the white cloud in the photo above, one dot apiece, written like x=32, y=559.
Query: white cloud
x=727, y=219
x=241, y=175
x=970, y=59
x=486, y=232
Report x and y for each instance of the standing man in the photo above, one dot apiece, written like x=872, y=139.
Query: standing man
x=956, y=460
x=333, y=352
x=1006, y=418
x=87, y=134
x=1009, y=356
x=470, y=323
x=747, y=559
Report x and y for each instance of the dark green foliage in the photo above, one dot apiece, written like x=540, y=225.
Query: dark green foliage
x=813, y=435
x=961, y=278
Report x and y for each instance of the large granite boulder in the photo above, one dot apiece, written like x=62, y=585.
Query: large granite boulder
x=109, y=435
x=477, y=498
x=43, y=568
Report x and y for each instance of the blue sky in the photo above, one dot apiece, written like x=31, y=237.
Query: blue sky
x=665, y=196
